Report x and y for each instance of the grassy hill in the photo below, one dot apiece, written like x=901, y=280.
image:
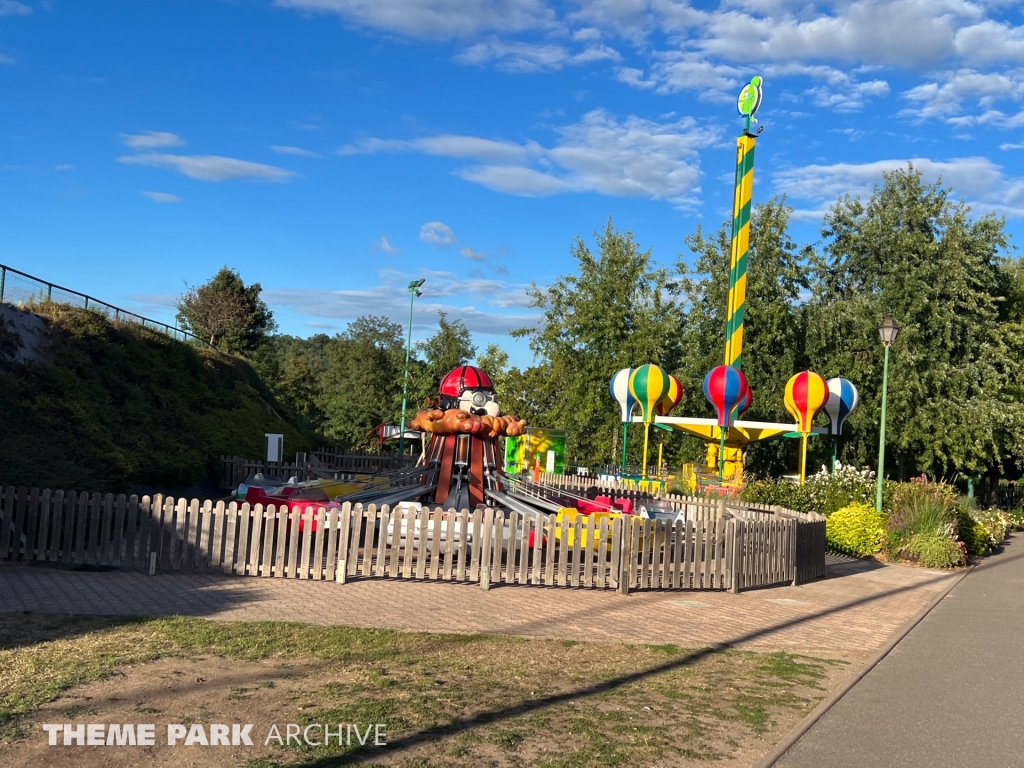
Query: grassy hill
x=89, y=404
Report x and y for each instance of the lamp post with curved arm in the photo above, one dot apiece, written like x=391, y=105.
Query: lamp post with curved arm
x=888, y=331
x=414, y=291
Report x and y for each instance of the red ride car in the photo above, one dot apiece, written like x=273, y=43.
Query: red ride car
x=296, y=498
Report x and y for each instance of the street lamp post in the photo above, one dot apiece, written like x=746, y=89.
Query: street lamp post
x=414, y=291
x=888, y=331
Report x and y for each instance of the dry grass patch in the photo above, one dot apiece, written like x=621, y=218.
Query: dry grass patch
x=448, y=700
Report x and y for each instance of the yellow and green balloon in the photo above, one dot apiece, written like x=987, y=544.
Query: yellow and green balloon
x=649, y=384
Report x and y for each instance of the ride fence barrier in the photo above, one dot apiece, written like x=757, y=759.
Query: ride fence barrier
x=23, y=290
x=485, y=546
x=322, y=462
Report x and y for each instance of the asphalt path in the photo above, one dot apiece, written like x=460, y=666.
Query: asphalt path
x=949, y=695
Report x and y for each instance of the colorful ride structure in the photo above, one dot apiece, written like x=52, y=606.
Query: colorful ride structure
x=725, y=387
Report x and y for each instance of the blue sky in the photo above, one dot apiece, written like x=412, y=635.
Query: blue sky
x=332, y=150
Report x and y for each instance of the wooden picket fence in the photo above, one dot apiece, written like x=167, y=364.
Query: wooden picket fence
x=729, y=550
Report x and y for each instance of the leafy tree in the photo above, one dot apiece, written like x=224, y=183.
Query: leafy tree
x=912, y=252
x=773, y=328
x=449, y=348
x=528, y=394
x=228, y=314
x=362, y=385
x=618, y=311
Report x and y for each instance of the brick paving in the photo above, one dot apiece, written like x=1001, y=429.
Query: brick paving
x=852, y=612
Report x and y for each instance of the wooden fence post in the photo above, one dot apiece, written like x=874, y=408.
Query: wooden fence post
x=735, y=535
x=626, y=556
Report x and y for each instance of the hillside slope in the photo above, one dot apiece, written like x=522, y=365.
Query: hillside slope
x=93, y=405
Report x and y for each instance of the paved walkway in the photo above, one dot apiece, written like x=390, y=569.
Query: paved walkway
x=951, y=693
x=851, y=613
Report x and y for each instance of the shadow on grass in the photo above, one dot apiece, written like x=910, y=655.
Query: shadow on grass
x=462, y=725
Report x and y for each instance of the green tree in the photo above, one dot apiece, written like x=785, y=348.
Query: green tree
x=618, y=311
x=228, y=314
x=362, y=384
x=449, y=348
x=773, y=328
x=914, y=253
x=527, y=394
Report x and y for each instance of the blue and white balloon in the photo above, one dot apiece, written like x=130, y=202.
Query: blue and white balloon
x=843, y=398
x=619, y=388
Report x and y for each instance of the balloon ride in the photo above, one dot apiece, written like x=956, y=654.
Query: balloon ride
x=725, y=387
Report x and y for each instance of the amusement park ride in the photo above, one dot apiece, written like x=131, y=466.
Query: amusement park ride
x=726, y=387
x=460, y=467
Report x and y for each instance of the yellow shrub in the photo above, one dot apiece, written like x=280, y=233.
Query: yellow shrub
x=856, y=529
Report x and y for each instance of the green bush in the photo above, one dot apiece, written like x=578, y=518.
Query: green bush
x=831, y=491
x=856, y=529
x=936, y=551
x=1016, y=517
x=921, y=508
x=995, y=521
x=780, y=492
x=973, y=534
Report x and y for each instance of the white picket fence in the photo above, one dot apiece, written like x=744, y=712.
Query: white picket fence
x=718, y=546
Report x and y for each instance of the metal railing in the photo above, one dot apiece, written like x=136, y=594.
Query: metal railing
x=19, y=289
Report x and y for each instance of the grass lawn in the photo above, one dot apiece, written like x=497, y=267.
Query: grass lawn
x=448, y=700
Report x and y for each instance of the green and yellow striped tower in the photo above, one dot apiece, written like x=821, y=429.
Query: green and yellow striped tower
x=747, y=104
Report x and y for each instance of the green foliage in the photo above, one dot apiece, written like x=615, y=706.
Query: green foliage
x=1016, y=517
x=936, y=551
x=362, y=386
x=921, y=508
x=830, y=491
x=449, y=348
x=780, y=492
x=619, y=311
x=115, y=404
x=996, y=523
x=227, y=313
x=973, y=534
x=912, y=252
x=856, y=529
x=773, y=322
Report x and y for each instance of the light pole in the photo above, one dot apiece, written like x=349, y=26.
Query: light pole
x=888, y=331
x=414, y=291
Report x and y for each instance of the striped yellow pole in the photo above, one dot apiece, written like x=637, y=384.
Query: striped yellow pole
x=742, y=195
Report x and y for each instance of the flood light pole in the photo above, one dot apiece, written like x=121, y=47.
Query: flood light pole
x=888, y=331
x=414, y=291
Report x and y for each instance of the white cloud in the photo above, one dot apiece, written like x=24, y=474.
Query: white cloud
x=849, y=97
x=64, y=167
x=979, y=180
x=13, y=8
x=992, y=117
x=990, y=41
x=634, y=158
x=435, y=19
x=469, y=253
x=480, y=309
x=681, y=71
x=297, y=151
x=1006, y=146
x=162, y=197
x=943, y=96
x=386, y=247
x=4, y=59
x=151, y=140
x=446, y=145
x=522, y=56
x=210, y=167
x=438, y=234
